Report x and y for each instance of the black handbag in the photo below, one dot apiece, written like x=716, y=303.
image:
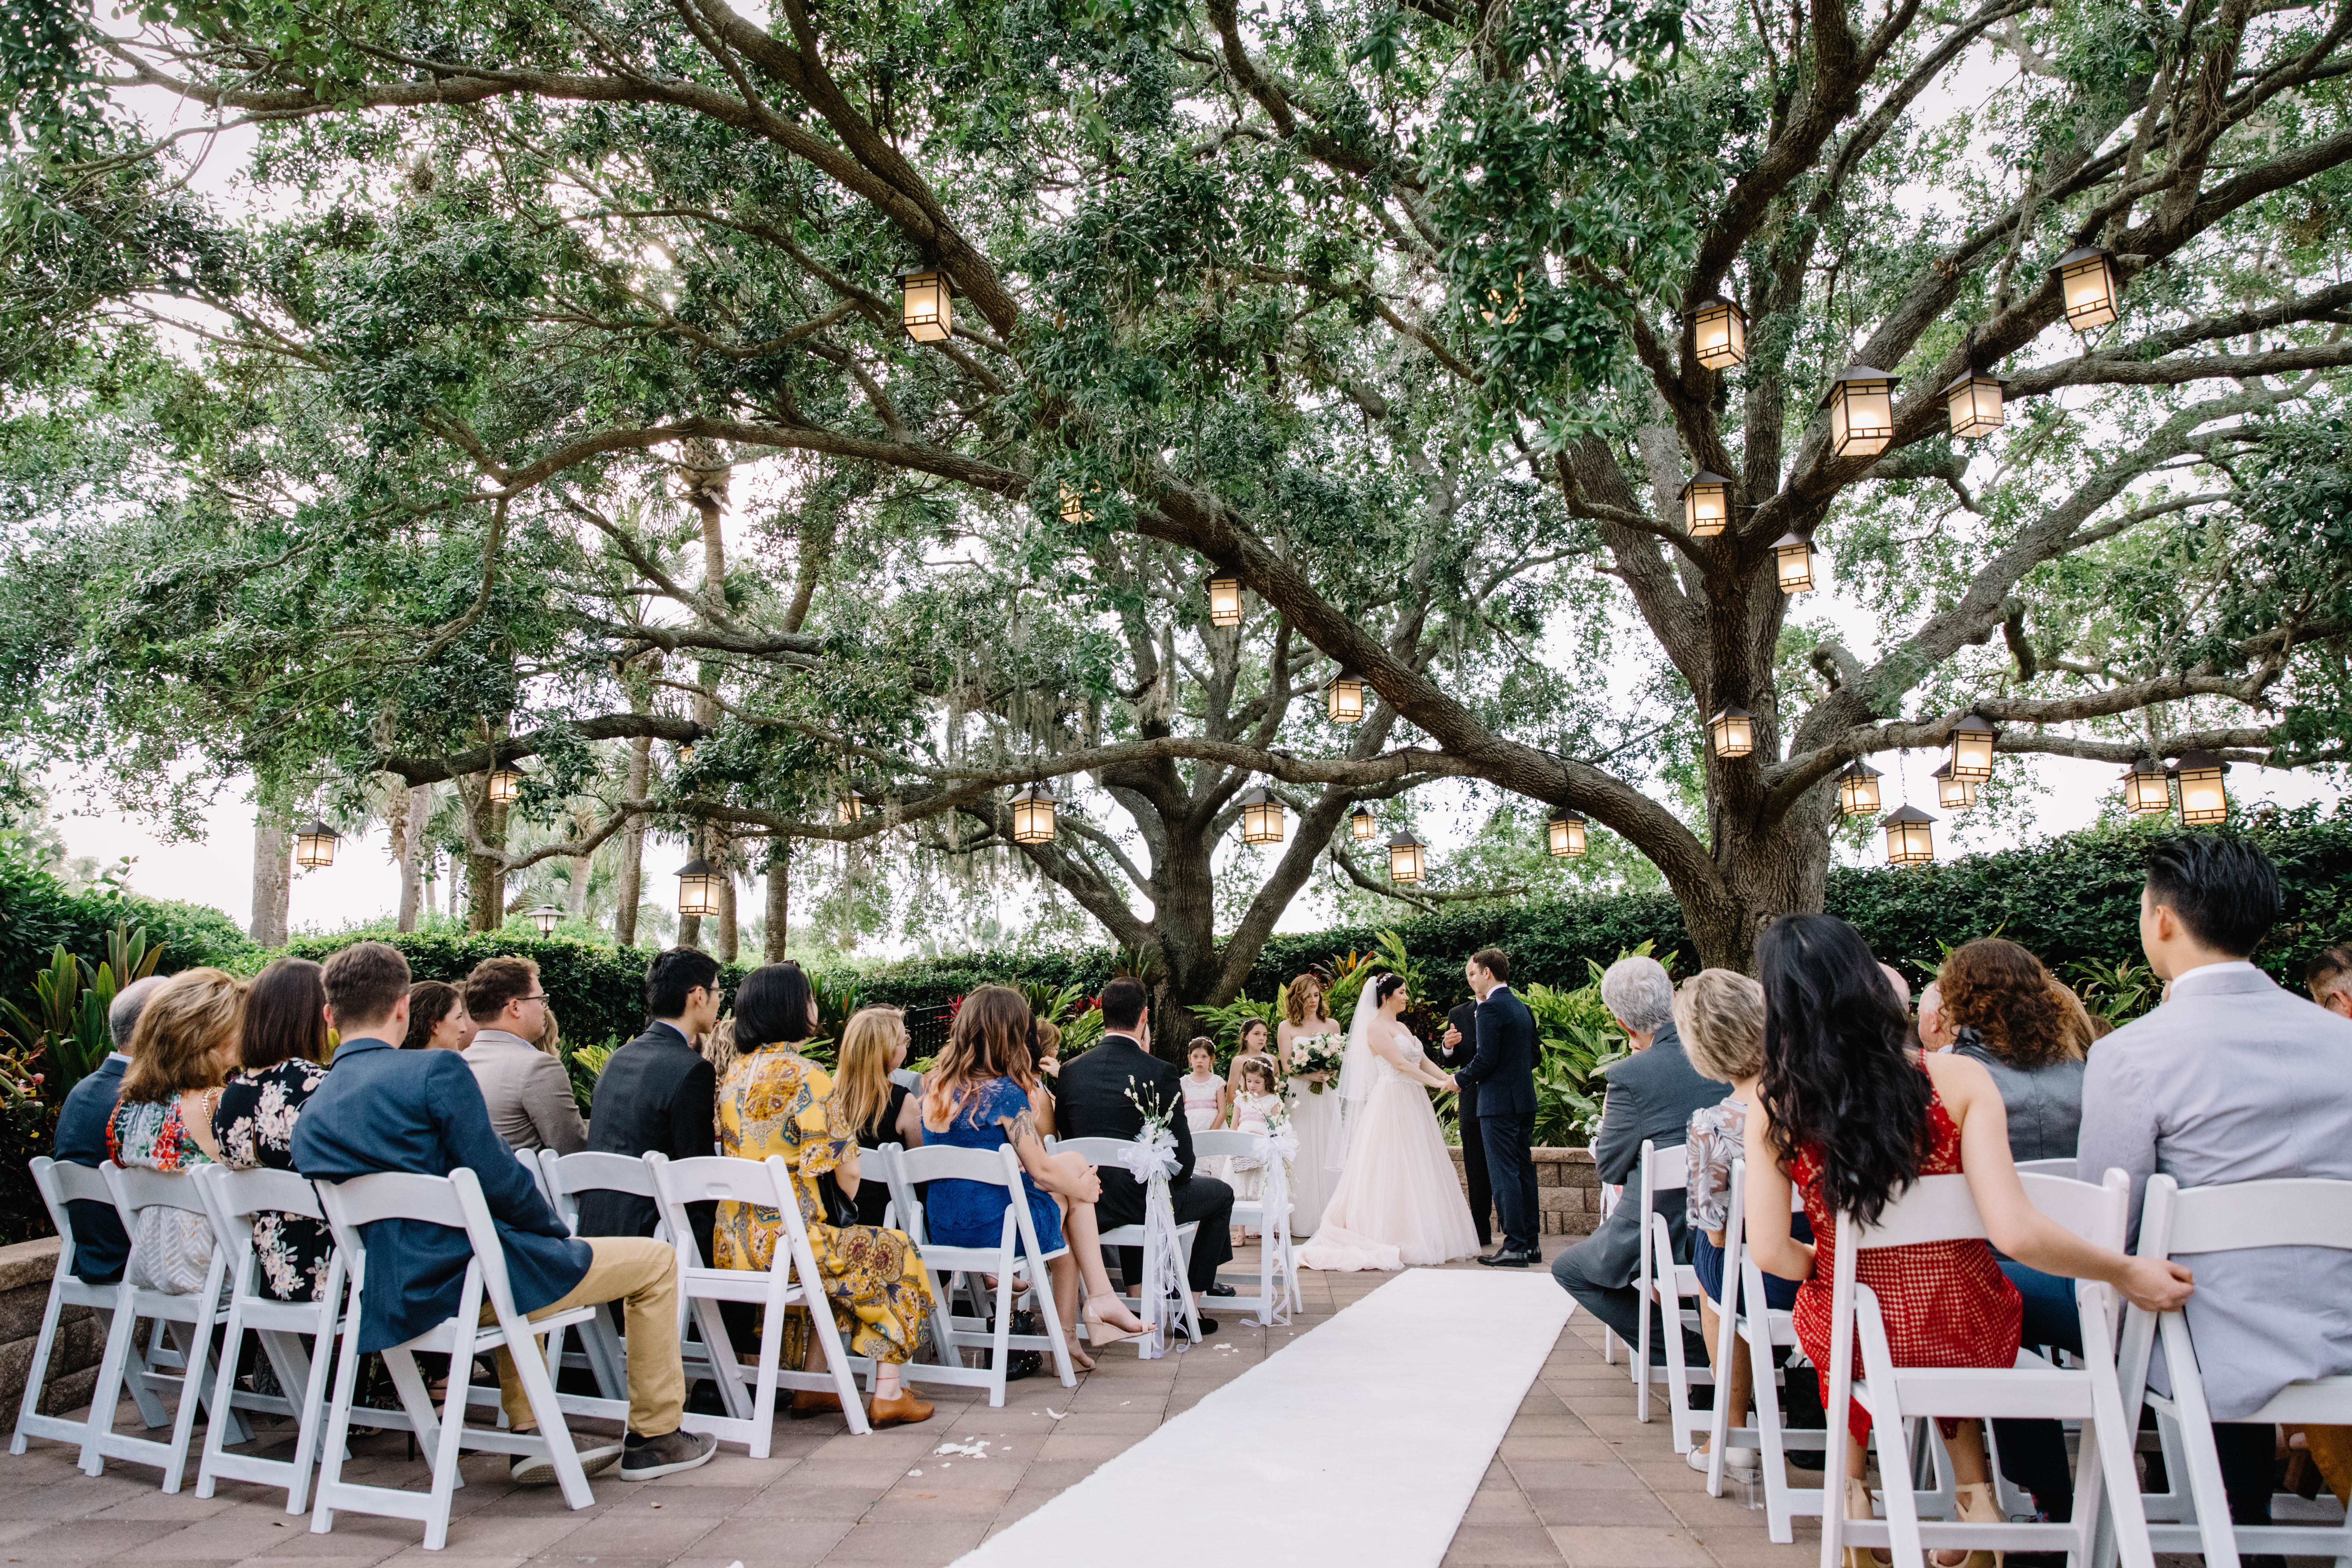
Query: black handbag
x=840, y=1208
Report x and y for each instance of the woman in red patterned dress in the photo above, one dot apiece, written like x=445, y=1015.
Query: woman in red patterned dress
x=1853, y=1114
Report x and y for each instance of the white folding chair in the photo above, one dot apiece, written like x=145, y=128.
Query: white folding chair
x=1745, y=1313
x=908, y=1080
x=1939, y=1208
x=2047, y=1168
x=2176, y=1222
x=60, y=1184
x=903, y=1169
x=234, y=1198
x=791, y=1280
x=564, y=1177
x=455, y=1202
x=1099, y=1152
x=1269, y=1214
x=1673, y=1287
x=1611, y=1196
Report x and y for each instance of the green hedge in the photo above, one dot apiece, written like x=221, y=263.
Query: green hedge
x=38, y=912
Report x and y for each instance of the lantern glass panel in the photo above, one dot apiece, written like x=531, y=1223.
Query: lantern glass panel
x=928, y=309
x=506, y=785
x=2147, y=791
x=1794, y=558
x=1362, y=824
x=1033, y=816
x=2203, y=798
x=1910, y=837
x=849, y=808
x=547, y=917
x=1720, y=333
x=315, y=847
x=1734, y=731
x=1706, y=506
x=1862, y=418
x=1261, y=818
x=1858, y=791
x=1972, y=751
x=1074, y=507
x=1343, y=699
x=1225, y=601
x=1405, y=858
x=2089, y=284
x=698, y=890
x=1951, y=793
x=1974, y=405
x=1566, y=836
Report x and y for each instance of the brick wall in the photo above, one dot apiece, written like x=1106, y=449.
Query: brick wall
x=25, y=1270
x=1567, y=1190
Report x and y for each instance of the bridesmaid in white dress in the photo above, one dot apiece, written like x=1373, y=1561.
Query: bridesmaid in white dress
x=1399, y=1204
x=1314, y=1117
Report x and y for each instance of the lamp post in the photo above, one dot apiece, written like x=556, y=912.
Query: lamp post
x=2203, y=801
x=697, y=888
x=506, y=785
x=1719, y=333
x=1733, y=731
x=547, y=917
x=1343, y=697
x=1973, y=402
x=1224, y=597
x=1857, y=789
x=314, y=846
x=1707, y=504
x=1910, y=836
x=1861, y=411
x=1362, y=824
x=2147, y=789
x=1407, y=859
x=1792, y=556
x=1033, y=814
x=926, y=304
x=2086, y=278
x=1951, y=793
x=1972, y=739
x=1564, y=834
x=1261, y=818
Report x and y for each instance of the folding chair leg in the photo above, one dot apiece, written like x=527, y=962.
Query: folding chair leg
x=197, y=1344
x=336, y=1439
x=539, y=1387
x=306, y=1431
x=1049, y=1312
x=2214, y=1526
x=223, y=1390
x=36, y=1373
x=1641, y=1352
x=763, y=1391
x=108, y=1392
x=836, y=1357
x=1894, y=1477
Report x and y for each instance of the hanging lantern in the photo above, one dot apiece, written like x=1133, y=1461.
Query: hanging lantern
x=686, y=753
x=1565, y=832
x=1261, y=818
x=1408, y=860
x=1224, y=597
x=2087, y=278
x=1720, y=334
x=1857, y=789
x=1972, y=739
x=1974, y=405
x=506, y=785
x=315, y=845
x=1951, y=793
x=1343, y=697
x=1792, y=556
x=697, y=888
x=1910, y=836
x=1074, y=505
x=1362, y=824
x=2147, y=789
x=1734, y=733
x=849, y=808
x=1862, y=412
x=1033, y=814
x=1707, y=504
x=926, y=304
x=2202, y=799
x=547, y=917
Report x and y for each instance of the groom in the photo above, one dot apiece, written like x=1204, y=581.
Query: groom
x=1504, y=1073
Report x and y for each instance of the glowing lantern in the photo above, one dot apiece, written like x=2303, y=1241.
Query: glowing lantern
x=1224, y=597
x=1362, y=824
x=1974, y=404
x=1951, y=793
x=1407, y=859
x=1972, y=739
x=1910, y=836
x=926, y=304
x=547, y=917
x=2087, y=278
x=315, y=845
x=849, y=808
x=1734, y=731
x=1074, y=505
x=1862, y=412
x=1707, y=504
x=697, y=888
x=506, y=785
x=1792, y=556
x=1033, y=814
x=1261, y=818
x=1720, y=334
x=2147, y=789
x=1343, y=697
x=1857, y=789
x=2203, y=798
x=1566, y=833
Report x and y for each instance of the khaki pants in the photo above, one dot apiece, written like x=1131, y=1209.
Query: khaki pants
x=642, y=1275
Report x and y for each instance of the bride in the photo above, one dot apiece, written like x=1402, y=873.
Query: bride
x=1399, y=1203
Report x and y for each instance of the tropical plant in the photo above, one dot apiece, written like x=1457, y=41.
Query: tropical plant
x=1052, y=1003
x=584, y=1064
x=72, y=998
x=1224, y=1024
x=1576, y=1036
x=2118, y=990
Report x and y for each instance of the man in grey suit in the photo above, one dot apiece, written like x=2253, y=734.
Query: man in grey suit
x=1651, y=1095
x=2232, y=1080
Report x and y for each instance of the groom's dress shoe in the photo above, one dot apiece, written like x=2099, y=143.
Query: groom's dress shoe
x=1510, y=1257
x=1218, y=1291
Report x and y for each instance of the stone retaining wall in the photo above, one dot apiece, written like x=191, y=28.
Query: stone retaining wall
x=1567, y=1190
x=25, y=1270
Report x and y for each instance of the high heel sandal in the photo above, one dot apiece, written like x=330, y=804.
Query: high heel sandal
x=1858, y=1506
x=1100, y=1331
x=1979, y=1503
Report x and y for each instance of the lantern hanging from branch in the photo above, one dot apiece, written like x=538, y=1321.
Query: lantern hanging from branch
x=1734, y=733
x=547, y=917
x=1343, y=697
x=506, y=785
x=314, y=846
x=1910, y=836
x=1792, y=556
x=2087, y=280
x=927, y=305
x=1074, y=505
x=850, y=808
x=1261, y=818
x=1857, y=789
x=1565, y=834
x=1224, y=597
x=1033, y=814
x=2147, y=789
x=1719, y=333
x=1951, y=793
x=1707, y=504
x=1974, y=404
x=1972, y=739
x=1862, y=412
x=1408, y=858
x=2203, y=801
x=697, y=888
x=1364, y=824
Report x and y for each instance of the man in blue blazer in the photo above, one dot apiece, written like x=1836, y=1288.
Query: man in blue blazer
x=383, y=1108
x=1503, y=1074
x=101, y=1246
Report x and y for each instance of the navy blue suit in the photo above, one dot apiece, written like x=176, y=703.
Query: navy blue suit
x=1504, y=1073
x=382, y=1109
x=100, y=1245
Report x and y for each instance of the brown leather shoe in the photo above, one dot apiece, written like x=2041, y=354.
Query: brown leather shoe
x=808, y=1401
x=904, y=1411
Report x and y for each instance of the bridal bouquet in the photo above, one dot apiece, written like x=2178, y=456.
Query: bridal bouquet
x=1317, y=1053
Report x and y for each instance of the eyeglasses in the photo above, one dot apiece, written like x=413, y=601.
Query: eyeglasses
x=534, y=996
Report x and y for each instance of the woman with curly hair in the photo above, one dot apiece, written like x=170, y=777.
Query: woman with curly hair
x=2009, y=1013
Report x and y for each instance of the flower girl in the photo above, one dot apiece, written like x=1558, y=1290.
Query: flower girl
x=1256, y=1109
x=1205, y=1099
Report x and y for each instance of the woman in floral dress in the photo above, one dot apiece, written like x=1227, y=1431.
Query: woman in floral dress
x=185, y=1043
x=281, y=1047
x=774, y=1102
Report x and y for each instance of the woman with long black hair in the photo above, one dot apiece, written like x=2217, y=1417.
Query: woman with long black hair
x=1853, y=1114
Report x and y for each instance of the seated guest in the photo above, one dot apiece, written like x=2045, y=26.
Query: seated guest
x=2006, y=1012
x=1650, y=1097
x=658, y=1092
x=438, y=1019
x=1853, y=1114
x=187, y=1042
x=1719, y=1018
x=2329, y=976
x=879, y=1110
x=776, y=1102
x=975, y=1096
x=282, y=1055
x=99, y=1242
x=527, y=1089
x=383, y=1108
x=1094, y=1103
x=2232, y=1080
x=1935, y=1031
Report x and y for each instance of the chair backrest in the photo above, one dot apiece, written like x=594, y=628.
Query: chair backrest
x=2098, y=1212
x=62, y=1181
x=1664, y=1169
x=2302, y=1211
x=569, y=1176
x=2059, y=1167
x=1933, y=1208
x=1096, y=1151
x=454, y=1200
x=1222, y=1144
x=944, y=1163
x=244, y=1194
x=720, y=1178
x=908, y=1080
x=137, y=1187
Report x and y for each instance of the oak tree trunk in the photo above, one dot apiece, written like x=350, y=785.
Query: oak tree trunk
x=780, y=898
x=486, y=877
x=273, y=876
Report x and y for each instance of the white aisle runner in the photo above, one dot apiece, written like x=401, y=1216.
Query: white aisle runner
x=1361, y=1442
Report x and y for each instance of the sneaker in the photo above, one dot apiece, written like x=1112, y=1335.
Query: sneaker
x=647, y=1459
x=1738, y=1464
x=539, y=1470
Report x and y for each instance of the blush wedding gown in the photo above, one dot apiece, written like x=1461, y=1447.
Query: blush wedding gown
x=1399, y=1204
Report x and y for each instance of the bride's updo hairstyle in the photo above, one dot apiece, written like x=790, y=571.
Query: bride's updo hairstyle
x=1294, y=998
x=1386, y=986
x=1839, y=1077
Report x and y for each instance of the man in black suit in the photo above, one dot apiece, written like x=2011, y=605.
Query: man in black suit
x=1504, y=1072
x=1459, y=1048
x=1091, y=1101
x=659, y=1092
x=101, y=1244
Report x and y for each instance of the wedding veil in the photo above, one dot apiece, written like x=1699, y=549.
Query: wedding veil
x=1358, y=1070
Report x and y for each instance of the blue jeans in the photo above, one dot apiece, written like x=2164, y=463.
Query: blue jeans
x=2033, y=1453
x=1707, y=1260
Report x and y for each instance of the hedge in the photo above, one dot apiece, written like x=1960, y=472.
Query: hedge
x=38, y=912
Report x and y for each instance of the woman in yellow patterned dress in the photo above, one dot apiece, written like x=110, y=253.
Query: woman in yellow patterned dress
x=774, y=1102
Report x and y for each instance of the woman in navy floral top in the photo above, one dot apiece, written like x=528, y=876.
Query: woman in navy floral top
x=283, y=1048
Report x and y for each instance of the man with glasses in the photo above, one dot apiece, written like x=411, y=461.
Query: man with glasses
x=658, y=1091
x=527, y=1089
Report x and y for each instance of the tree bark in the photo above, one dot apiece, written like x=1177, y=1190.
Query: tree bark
x=273, y=876
x=410, y=808
x=780, y=898
x=486, y=878
x=729, y=937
